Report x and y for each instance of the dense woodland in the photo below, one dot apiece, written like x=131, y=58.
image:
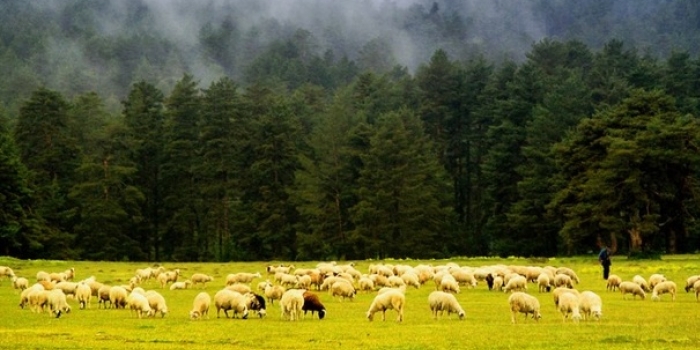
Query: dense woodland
x=244, y=137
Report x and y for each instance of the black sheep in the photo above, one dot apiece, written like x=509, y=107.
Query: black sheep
x=313, y=303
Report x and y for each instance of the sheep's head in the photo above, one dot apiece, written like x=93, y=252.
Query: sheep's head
x=322, y=314
x=370, y=316
x=536, y=315
x=194, y=315
x=462, y=314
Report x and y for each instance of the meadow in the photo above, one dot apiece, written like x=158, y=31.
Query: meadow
x=626, y=324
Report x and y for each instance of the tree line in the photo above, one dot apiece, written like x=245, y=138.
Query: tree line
x=551, y=156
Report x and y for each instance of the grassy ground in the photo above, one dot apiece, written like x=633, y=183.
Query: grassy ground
x=626, y=324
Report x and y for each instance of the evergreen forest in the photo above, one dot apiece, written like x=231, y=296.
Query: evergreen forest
x=247, y=130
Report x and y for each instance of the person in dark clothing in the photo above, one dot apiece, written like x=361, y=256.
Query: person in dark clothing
x=604, y=259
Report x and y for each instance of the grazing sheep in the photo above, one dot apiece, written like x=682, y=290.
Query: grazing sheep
x=449, y=285
x=117, y=297
x=516, y=283
x=240, y=288
x=343, y=290
x=641, y=282
x=273, y=293
x=389, y=300
x=83, y=294
x=6, y=272
x=558, y=291
x=200, y=278
x=366, y=284
x=563, y=280
x=56, y=301
x=43, y=276
x=313, y=303
x=590, y=305
x=241, y=277
x=396, y=281
x=157, y=303
x=655, y=279
x=665, y=287
x=303, y=282
x=569, y=272
x=94, y=287
x=411, y=279
x=444, y=302
x=524, y=303
x=257, y=304
x=103, y=296
x=200, y=306
x=20, y=283
x=498, y=283
x=635, y=289
x=690, y=282
x=24, y=296
x=167, y=277
x=57, y=277
x=38, y=299
x=569, y=306
x=696, y=288
x=229, y=300
x=317, y=279
x=292, y=303
x=489, y=281
x=138, y=290
x=69, y=274
x=68, y=288
x=613, y=282
x=288, y=281
x=180, y=285
x=139, y=303
x=543, y=283
x=381, y=281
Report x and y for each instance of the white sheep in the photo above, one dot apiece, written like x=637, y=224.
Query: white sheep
x=69, y=274
x=200, y=306
x=569, y=272
x=411, y=279
x=665, y=287
x=83, y=294
x=157, y=303
x=241, y=277
x=444, y=302
x=633, y=288
x=103, y=296
x=696, y=288
x=613, y=282
x=56, y=301
x=20, y=283
x=690, y=282
x=366, y=284
x=524, y=303
x=563, y=280
x=117, y=297
x=498, y=283
x=303, y=282
x=229, y=300
x=43, y=276
x=68, y=288
x=343, y=290
x=543, y=282
x=24, y=296
x=289, y=281
x=200, y=278
x=656, y=279
x=167, y=277
x=180, y=285
x=569, y=306
x=641, y=282
x=389, y=300
x=396, y=281
x=273, y=292
x=516, y=283
x=291, y=304
x=139, y=303
x=449, y=285
x=240, y=288
x=590, y=305
x=6, y=271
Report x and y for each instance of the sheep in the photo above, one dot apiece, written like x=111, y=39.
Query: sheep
x=411, y=279
x=559, y=291
x=157, y=303
x=241, y=277
x=292, y=303
x=43, y=276
x=381, y=281
x=464, y=277
x=328, y=282
x=449, y=285
x=7, y=272
x=167, y=277
x=635, y=289
x=498, y=283
x=696, y=287
x=516, y=283
x=38, y=299
x=665, y=287
x=366, y=284
x=139, y=290
x=444, y=302
x=569, y=306
x=590, y=305
x=690, y=282
x=313, y=303
x=613, y=282
x=139, y=303
x=57, y=277
x=56, y=301
x=240, y=288
x=200, y=278
x=303, y=282
x=655, y=279
x=273, y=293
x=229, y=300
x=24, y=296
x=288, y=281
x=69, y=274
x=20, y=283
x=143, y=274
x=569, y=272
x=200, y=306
x=257, y=304
x=117, y=297
x=317, y=279
x=543, y=282
x=180, y=285
x=343, y=290
x=389, y=300
x=383, y=290
x=94, y=287
x=103, y=296
x=641, y=282
x=396, y=281
x=521, y=302
x=563, y=280
x=83, y=294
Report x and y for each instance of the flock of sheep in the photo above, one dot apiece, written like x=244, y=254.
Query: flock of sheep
x=296, y=290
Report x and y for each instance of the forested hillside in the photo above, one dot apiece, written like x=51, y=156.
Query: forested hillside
x=305, y=129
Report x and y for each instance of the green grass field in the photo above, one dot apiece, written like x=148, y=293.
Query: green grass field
x=626, y=324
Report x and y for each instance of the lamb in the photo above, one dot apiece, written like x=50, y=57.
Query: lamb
x=444, y=302
x=56, y=301
x=273, y=293
x=20, y=283
x=521, y=302
x=117, y=297
x=635, y=289
x=157, y=303
x=229, y=300
x=613, y=282
x=665, y=287
x=641, y=282
x=389, y=300
x=201, y=278
x=690, y=282
x=292, y=303
x=543, y=282
x=313, y=303
x=139, y=303
x=590, y=305
x=569, y=306
x=83, y=294
x=343, y=290
x=655, y=279
x=516, y=283
x=200, y=306
x=167, y=277
x=241, y=277
x=563, y=280
x=180, y=285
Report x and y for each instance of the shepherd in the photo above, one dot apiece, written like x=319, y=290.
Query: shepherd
x=604, y=259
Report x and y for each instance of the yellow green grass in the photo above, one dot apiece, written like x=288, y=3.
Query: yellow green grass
x=626, y=324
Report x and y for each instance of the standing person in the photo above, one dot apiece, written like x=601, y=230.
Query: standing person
x=604, y=259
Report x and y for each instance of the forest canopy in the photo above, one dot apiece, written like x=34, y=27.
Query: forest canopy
x=259, y=130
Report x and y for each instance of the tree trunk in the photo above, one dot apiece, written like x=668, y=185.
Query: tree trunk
x=635, y=240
